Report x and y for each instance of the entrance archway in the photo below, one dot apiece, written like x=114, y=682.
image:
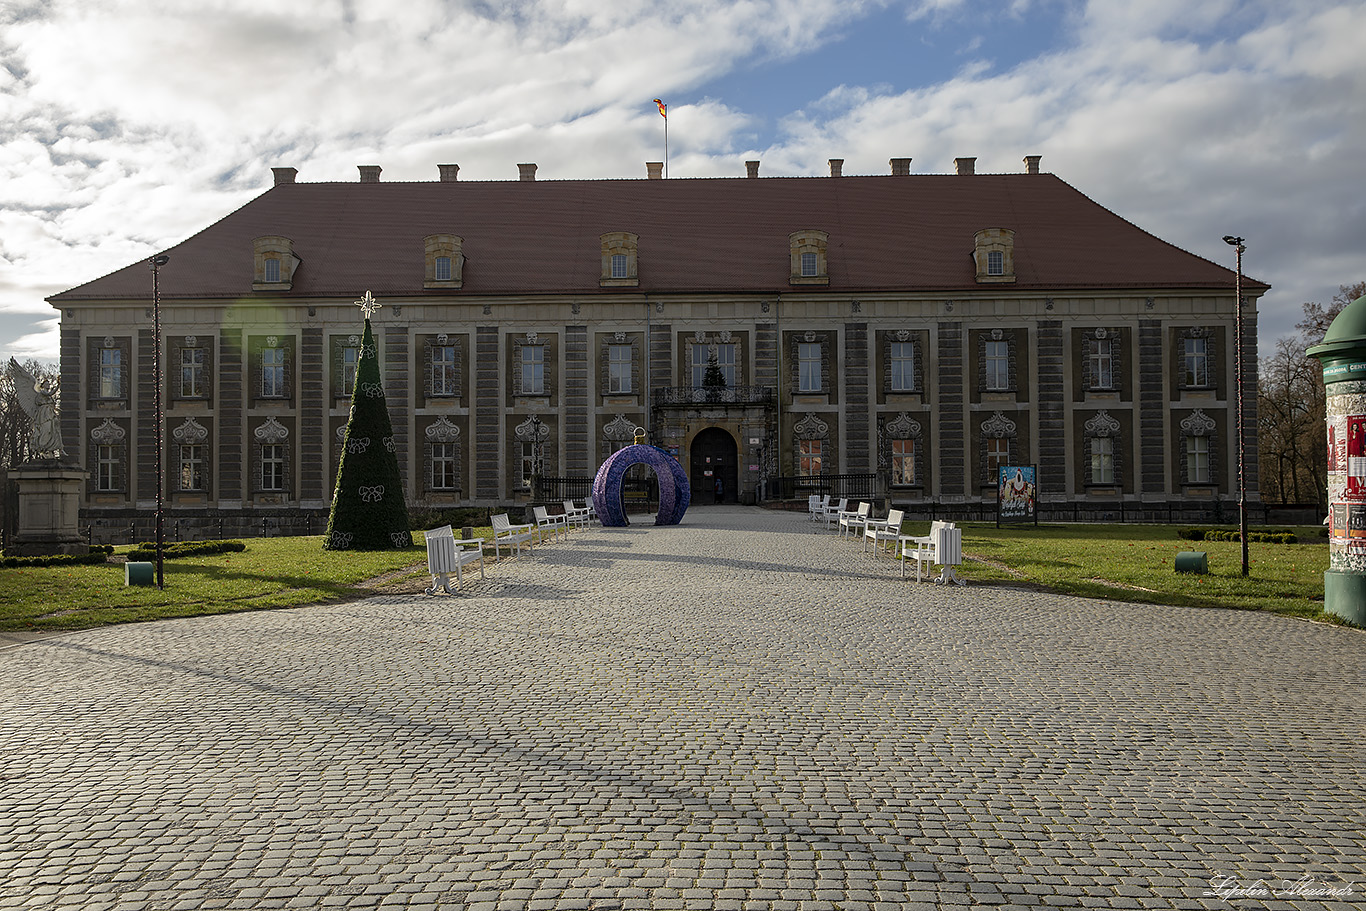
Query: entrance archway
x=714, y=457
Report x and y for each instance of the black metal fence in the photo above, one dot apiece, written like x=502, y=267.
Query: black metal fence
x=849, y=486
x=1172, y=512
x=553, y=490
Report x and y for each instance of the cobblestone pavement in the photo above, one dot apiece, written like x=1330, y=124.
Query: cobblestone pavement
x=738, y=713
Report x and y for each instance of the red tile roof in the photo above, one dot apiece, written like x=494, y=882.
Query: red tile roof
x=703, y=235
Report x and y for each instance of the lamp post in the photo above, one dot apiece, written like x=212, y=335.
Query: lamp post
x=1237, y=244
x=155, y=264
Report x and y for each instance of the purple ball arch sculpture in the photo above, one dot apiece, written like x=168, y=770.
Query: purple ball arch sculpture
x=674, y=491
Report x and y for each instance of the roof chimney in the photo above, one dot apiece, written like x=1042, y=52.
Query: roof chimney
x=965, y=166
x=654, y=170
x=837, y=167
x=1032, y=164
x=752, y=169
x=284, y=175
x=450, y=173
x=527, y=171
x=369, y=173
x=901, y=167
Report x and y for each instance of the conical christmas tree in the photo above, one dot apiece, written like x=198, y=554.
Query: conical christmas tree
x=368, y=509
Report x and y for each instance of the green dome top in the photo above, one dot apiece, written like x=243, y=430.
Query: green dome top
x=1347, y=331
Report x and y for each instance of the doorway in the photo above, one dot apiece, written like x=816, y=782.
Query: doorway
x=714, y=473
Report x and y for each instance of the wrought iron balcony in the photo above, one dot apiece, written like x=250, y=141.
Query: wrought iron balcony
x=707, y=395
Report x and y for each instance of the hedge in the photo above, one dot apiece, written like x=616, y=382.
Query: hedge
x=186, y=549
x=90, y=559
x=1271, y=536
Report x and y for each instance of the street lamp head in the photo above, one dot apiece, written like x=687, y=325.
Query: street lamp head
x=159, y=260
x=1233, y=241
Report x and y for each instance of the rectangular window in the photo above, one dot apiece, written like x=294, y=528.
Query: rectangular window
x=1197, y=362
x=1197, y=456
x=619, y=368
x=699, y=364
x=998, y=366
x=998, y=456
x=443, y=466
x=272, y=270
x=443, y=269
x=902, y=367
x=533, y=370
x=619, y=265
x=273, y=466
x=272, y=373
x=350, y=361
x=443, y=370
x=903, y=461
x=725, y=359
x=808, y=265
x=1102, y=460
x=1099, y=352
x=108, y=468
x=809, y=457
x=111, y=373
x=996, y=262
x=191, y=372
x=191, y=467
x=809, y=367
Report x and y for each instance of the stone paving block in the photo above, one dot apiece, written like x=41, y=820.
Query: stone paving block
x=666, y=717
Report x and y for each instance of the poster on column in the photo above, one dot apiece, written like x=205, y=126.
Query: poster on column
x=1355, y=459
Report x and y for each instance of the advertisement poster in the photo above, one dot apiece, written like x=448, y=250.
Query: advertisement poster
x=1356, y=458
x=1017, y=495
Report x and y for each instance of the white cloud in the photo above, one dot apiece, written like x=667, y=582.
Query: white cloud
x=126, y=125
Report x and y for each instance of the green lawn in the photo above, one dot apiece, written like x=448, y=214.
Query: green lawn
x=1115, y=562
x=1136, y=563
x=274, y=572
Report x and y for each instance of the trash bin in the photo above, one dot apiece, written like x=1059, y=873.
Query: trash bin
x=135, y=573
x=1192, y=561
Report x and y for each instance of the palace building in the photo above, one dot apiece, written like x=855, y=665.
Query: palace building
x=915, y=331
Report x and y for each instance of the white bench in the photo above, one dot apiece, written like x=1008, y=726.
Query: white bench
x=545, y=520
x=577, y=515
x=446, y=555
x=879, y=530
x=504, y=532
x=854, y=519
x=943, y=546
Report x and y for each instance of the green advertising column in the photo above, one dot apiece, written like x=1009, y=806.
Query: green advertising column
x=1343, y=355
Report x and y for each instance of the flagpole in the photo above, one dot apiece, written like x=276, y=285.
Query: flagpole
x=664, y=112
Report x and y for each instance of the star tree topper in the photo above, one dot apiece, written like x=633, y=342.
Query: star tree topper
x=368, y=305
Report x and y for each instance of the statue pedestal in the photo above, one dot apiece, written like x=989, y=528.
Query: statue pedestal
x=49, y=508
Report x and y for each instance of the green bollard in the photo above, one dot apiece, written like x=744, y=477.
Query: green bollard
x=1192, y=561
x=135, y=573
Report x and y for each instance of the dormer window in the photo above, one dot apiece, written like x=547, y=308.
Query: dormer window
x=994, y=255
x=620, y=260
x=808, y=254
x=445, y=261
x=275, y=263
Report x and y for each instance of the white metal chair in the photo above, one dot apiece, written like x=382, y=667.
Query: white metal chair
x=943, y=546
x=880, y=530
x=854, y=520
x=576, y=515
x=446, y=555
x=504, y=532
x=831, y=513
x=545, y=520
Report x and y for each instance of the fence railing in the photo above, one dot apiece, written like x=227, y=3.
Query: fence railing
x=553, y=490
x=849, y=486
x=706, y=395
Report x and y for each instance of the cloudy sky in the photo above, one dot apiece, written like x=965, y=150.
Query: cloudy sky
x=127, y=125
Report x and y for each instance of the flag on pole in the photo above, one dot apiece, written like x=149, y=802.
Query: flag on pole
x=663, y=109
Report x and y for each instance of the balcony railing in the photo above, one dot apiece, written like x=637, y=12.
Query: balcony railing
x=706, y=395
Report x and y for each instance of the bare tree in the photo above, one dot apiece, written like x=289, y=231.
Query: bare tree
x=1291, y=409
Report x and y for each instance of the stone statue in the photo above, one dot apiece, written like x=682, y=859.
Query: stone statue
x=38, y=398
